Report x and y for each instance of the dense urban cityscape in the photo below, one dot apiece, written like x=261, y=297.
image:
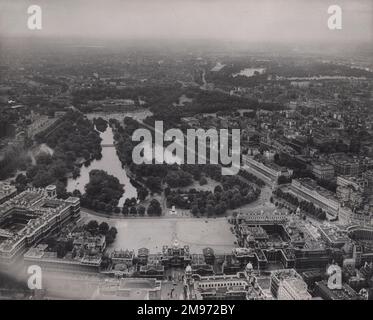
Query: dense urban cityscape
x=295, y=222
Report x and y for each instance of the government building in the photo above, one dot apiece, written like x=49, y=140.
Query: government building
x=29, y=217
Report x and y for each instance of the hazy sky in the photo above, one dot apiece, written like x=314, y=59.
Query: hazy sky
x=246, y=20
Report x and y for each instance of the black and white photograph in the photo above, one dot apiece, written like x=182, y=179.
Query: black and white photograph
x=190, y=152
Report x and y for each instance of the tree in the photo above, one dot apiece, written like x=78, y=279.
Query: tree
x=142, y=194
x=21, y=182
x=194, y=210
x=141, y=210
x=125, y=210
x=109, y=239
x=103, y=187
x=103, y=228
x=42, y=179
x=111, y=235
x=92, y=226
x=113, y=231
x=44, y=159
x=77, y=193
x=61, y=190
x=133, y=211
x=100, y=124
x=210, y=210
x=178, y=178
x=154, y=184
x=117, y=210
x=154, y=208
x=219, y=209
x=61, y=250
x=133, y=201
x=202, y=181
x=167, y=191
x=21, y=179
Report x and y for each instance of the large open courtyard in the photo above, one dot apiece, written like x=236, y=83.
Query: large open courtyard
x=153, y=233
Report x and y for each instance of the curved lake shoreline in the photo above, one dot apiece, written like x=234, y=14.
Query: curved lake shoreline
x=109, y=163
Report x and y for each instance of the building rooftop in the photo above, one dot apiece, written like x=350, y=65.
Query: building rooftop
x=6, y=190
x=334, y=234
x=346, y=293
x=40, y=210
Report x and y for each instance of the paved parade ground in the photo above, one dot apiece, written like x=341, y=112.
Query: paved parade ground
x=153, y=233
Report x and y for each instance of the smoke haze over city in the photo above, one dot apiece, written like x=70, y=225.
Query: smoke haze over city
x=241, y=20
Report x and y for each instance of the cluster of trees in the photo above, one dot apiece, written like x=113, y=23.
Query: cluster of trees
x=154, y=208
x=7, y=123
x=103, y=228
x=231, y=196
x=130, y=207
x=252, y=178
x=150, y=176
x=306, y=206
x=178, y=179
x=47, y=170
x=203, y=181
x=133, y=210
x=213, y=171
x=82, y=96
x=175, y=176
x=21, y=182
x=229, y=182
x=62, y=247
x=214, y=101
x=75, y=134
x=13, y=158
x=102, y=192
x=203, y=170
x=142, y=192
x=100, y=124
x=123, y=138
x=154, y=184
x=73, y=139
x=154, y=96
